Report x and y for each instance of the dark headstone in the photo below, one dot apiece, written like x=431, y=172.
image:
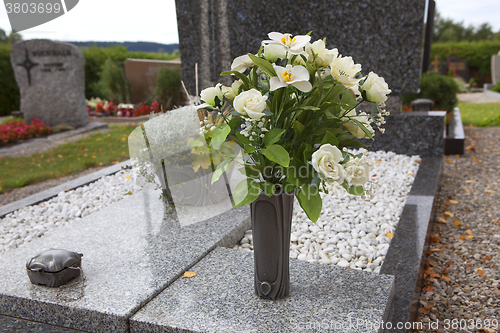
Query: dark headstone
x=459, y=67
x=383, y=36
x=51, y=80
x=422, y=104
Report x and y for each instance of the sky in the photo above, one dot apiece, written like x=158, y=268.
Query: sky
x=155, y=20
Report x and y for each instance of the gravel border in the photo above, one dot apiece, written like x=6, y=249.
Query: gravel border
x=462, y=274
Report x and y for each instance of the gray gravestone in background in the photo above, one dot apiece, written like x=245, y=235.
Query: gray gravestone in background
x=51, y=80
x=383, y=36
x=495, y=68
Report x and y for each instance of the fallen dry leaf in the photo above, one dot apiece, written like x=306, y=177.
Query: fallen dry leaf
x=389, y=234
x=481, y=272
x=428, y=288
x=486, y=258
x=466, y=190
x=469, y=232
x=457, y=223
x=469, y=181
x=423, y=310
x=474, y=158
x=188, y=274
x=378, y=162
x=455, y=202
x=487, y=330
x=441, y=220
x=495, y=221
x=446, y=279
x=448, y=160
x=127, y=177
x=449, y=214
x=489, y=191
x=463, y=237
x=434, y=250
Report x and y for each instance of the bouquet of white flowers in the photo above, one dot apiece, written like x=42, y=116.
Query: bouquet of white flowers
x=292, y=110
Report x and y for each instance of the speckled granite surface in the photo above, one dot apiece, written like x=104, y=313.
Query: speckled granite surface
x=383, y=36
x=130, y=255
x=220, y=298
x=411, y=133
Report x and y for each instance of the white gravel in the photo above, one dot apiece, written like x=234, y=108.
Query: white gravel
x=353, y=231
x=23, y=225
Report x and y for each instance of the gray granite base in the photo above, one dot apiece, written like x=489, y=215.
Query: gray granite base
x=131, y=253
x=133, y=260
x=221, y=298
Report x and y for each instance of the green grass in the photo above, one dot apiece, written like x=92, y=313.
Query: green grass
x=480, y=114
x=99, y=149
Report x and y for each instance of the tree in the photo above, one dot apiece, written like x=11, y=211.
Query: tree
x=446, y=30
x=3, y=37
x=14, y=37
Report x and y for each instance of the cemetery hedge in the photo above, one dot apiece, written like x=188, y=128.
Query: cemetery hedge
x=477, y=54
x=9, y=91
x=95, y=59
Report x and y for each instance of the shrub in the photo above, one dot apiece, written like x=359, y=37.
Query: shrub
x=441, y=89
x=478, y=54
x=168, y=87
x=114, y=82
x=9, y=91
x=496, y=87
x=14, y=129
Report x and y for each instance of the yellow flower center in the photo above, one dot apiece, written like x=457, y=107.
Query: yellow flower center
x=287, y=40
x=287, y=76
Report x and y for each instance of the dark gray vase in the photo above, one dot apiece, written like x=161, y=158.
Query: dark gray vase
x=271, y=224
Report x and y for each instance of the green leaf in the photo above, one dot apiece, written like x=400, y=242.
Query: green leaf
x=220, y=135
x=241, y=76
x=245, y=192
x=330, y=138
x=310, y=201
x=220, y=169
x=348, y=101
x=249, y=149
x=278, y=154
x=351, y=143
x=363, y=127
x=294, y=173
x=273, y=136
x=250, y=171
x=263, y=64
x=243, y=139
x=234, y=122
x=298, y=127
x=356, y=190
x=269, y=188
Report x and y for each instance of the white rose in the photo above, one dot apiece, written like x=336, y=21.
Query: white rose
x=376, y=88
x=318, y=51
x=250, y=103
x=208, y=94
x=358, y=171
x=231, y=92
x=241, y=63
x=344, y=71
x=274, y=51
x=326, y=160
x=353, y=128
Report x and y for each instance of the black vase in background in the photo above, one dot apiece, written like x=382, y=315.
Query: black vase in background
x=271, y=227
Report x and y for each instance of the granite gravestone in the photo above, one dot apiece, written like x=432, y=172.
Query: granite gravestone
x=459, y=67
x=495, y=68
x=51, y=80
x=383, y=36
x=141, y=75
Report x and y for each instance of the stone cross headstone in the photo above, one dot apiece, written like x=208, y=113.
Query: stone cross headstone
x=51, y=80
x=141, y=75
x=495, y=68
x=383, y=36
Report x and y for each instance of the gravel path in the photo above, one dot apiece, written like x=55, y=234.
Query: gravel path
x=462, y=276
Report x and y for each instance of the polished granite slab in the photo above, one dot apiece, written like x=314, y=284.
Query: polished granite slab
x=221, y=298
x=131, y=253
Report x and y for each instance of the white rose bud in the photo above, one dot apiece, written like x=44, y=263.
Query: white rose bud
x=208, y=95
x=231, y=92
x=358, y=171
x=353, y=128
x=376, y=88
x=317, y=49
x=250, y=103
x=326, y=160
